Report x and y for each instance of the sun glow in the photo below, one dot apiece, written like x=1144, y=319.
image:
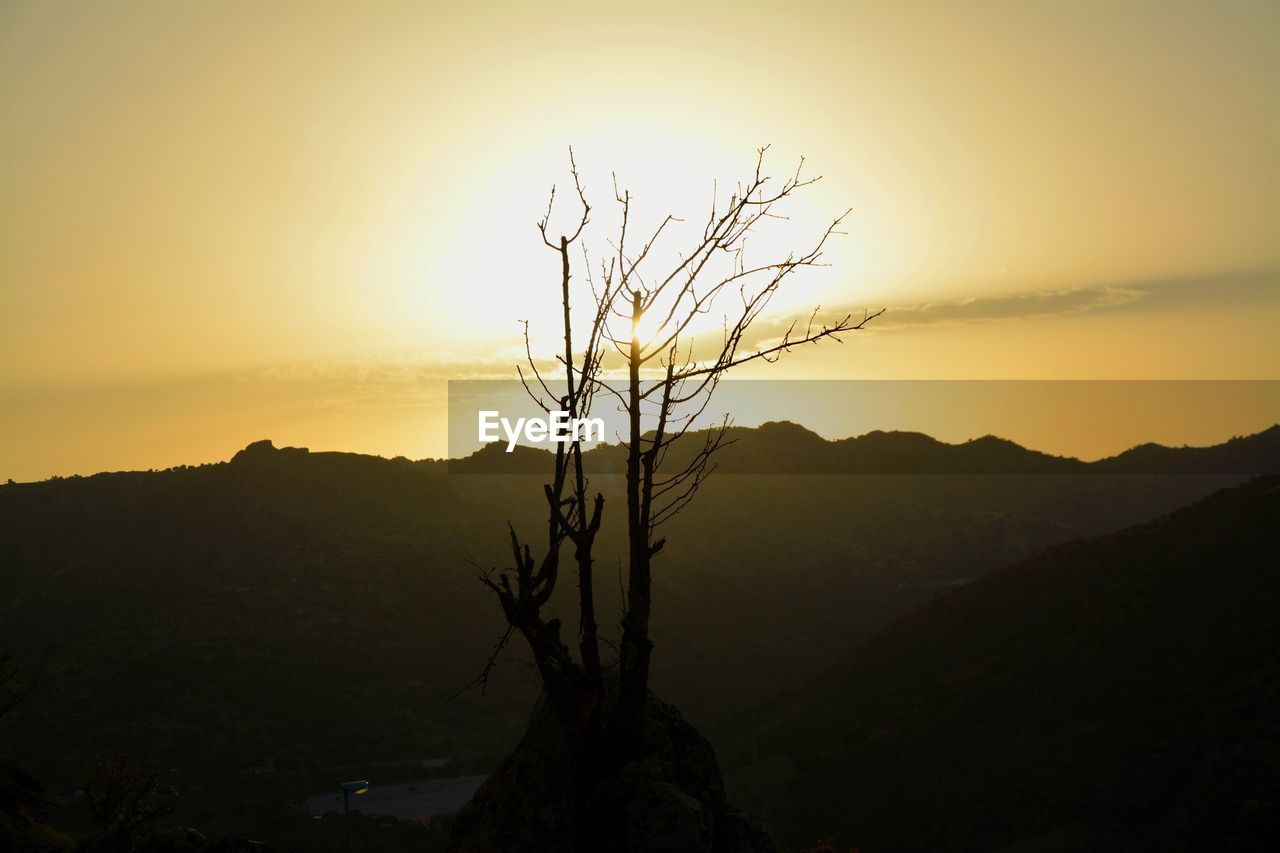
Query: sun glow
x=496, y=290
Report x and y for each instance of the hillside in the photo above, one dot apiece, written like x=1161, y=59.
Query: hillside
x=1118, y=693
x=266, y=625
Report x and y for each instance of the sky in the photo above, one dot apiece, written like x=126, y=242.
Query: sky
x=236, y=220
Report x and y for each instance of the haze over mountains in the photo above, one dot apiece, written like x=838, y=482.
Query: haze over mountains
x=267, y=624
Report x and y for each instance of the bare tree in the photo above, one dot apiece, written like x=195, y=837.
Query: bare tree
x=668, y=374
x=574, y=689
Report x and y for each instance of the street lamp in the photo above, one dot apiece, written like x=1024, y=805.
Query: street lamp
x=348, y=790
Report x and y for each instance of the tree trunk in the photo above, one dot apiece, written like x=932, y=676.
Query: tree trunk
x=636, y=646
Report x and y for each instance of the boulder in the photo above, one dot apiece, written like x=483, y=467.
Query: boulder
x=672, y=799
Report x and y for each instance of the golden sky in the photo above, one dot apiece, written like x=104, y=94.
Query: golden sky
x=227, y=221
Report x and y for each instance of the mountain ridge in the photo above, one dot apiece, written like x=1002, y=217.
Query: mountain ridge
x=795, y=449
x=784, y=447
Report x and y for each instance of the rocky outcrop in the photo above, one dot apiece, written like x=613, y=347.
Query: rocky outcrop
x=262, y=451
x=672, y=799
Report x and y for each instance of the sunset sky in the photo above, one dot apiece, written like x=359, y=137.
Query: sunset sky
x=221, y=222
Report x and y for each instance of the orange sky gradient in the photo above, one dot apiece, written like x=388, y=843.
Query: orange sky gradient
x=235, y=220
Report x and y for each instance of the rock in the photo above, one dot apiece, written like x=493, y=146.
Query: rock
x=672, y=799
x=736, y=834
x=526, y=805
x=659, y=816
x=265, y=451
x=255, y=451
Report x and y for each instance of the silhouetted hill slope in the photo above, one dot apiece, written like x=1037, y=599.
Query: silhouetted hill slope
x=895, y=452
x=782, y=447
x=494, y=459
x=1249, y=454
x=1117, y=693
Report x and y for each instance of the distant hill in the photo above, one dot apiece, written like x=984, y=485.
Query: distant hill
x=782, y=447
x=1119, y=693
x=1256, y=454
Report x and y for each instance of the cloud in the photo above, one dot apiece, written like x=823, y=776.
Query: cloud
x=398, y=380
x=1017, y=306
x=1042, y=304
x=393, y=370
x=384, y=380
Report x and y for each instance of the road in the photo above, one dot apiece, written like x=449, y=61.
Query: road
x=420, y=800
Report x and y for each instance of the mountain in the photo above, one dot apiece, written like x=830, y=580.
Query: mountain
x=1249, y=454
x=267, y=625
x=1117, y=693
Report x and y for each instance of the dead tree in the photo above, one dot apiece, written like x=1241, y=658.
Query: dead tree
x=684, y=374
x=574, y=688
x=668, y=375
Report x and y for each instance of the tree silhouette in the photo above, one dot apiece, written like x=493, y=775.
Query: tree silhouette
x=669, y=375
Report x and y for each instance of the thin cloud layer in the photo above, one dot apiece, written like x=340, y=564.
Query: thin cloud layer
x=1043, y=304
x=386, y=380
x=1016, y=306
